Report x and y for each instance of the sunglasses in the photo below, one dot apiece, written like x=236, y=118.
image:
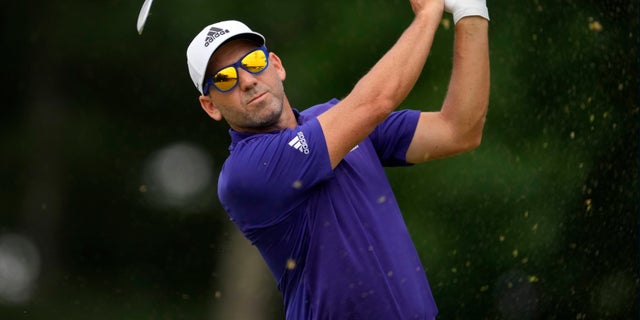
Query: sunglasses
x=226, y=79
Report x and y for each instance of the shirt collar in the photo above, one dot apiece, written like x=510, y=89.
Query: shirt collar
x=237, y=136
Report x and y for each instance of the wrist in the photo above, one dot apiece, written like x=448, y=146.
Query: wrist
x=478, y=12
x=466, y=8
x=430, y=14
x=473, y=21
x=428, y=19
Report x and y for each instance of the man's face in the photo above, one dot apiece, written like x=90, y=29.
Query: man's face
x=256, y=103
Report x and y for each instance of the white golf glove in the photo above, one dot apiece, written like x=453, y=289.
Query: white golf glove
x=465, y=8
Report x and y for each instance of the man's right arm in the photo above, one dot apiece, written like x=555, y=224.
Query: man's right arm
x=385, y=86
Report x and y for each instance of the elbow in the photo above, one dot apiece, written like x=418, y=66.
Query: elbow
x=373, y=105
x=376, y=109
x=469, y=143
x=474, y=141
x=382, y=107
x=473, y=135
x=471, y=139
x=377, y=101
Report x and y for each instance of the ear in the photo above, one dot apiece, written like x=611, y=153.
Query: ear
x=210, y=108
x=275, y=62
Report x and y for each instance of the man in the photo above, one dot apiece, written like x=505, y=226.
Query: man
x=309, y=189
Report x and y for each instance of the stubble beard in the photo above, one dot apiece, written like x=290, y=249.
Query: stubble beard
x=267, y=121
x=265, y=116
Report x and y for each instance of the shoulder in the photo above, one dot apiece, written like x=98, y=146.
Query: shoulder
x=318, y=109
x=262, y=160
x=248, y=154
x=250, y=169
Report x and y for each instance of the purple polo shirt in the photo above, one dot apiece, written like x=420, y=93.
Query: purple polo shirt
x=335, y=240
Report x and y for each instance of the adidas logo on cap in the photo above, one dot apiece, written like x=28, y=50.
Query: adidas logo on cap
x=213, y=34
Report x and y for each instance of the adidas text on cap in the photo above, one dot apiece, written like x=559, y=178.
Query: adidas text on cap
x=209, y=40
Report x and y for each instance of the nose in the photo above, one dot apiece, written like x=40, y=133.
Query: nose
x=246, y=80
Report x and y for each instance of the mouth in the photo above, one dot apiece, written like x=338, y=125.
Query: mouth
x=257, y=97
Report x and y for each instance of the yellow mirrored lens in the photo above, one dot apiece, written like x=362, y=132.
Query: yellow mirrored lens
x=255, y=61
x=226, y=78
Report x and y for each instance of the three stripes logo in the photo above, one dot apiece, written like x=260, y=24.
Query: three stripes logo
x=213, y=34
x=300, y=143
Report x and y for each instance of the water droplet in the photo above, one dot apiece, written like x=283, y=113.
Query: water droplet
x=446, y=23
x=595, y=25
x=291, y=264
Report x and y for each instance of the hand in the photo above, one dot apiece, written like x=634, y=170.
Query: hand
x=430, y=7
x=465, y=8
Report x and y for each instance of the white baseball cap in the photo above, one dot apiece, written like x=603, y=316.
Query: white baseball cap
x=209, y=40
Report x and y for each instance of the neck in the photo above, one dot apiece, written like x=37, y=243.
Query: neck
x=286, y=120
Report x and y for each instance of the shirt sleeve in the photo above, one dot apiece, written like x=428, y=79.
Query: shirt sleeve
x=392, y=137
x=267, y=176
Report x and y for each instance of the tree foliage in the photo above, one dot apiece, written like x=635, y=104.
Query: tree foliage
x=540, y=222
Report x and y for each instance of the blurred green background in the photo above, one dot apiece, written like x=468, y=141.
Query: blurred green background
x=109, y=166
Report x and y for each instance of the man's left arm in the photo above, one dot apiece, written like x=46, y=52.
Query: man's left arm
x=458, y=126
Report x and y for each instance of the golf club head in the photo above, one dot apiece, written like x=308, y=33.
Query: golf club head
x=144, y=13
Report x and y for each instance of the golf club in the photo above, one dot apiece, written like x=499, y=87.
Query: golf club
x=144, y=13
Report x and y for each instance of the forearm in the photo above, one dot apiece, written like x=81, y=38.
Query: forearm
x=467, y=98
x=389, y=82
x=385, y=86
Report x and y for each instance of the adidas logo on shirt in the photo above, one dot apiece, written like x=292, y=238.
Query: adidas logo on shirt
x=300, y=143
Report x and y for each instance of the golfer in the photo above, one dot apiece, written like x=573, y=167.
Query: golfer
x=308, y=188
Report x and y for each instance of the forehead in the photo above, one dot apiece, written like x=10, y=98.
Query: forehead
x=230, y=52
